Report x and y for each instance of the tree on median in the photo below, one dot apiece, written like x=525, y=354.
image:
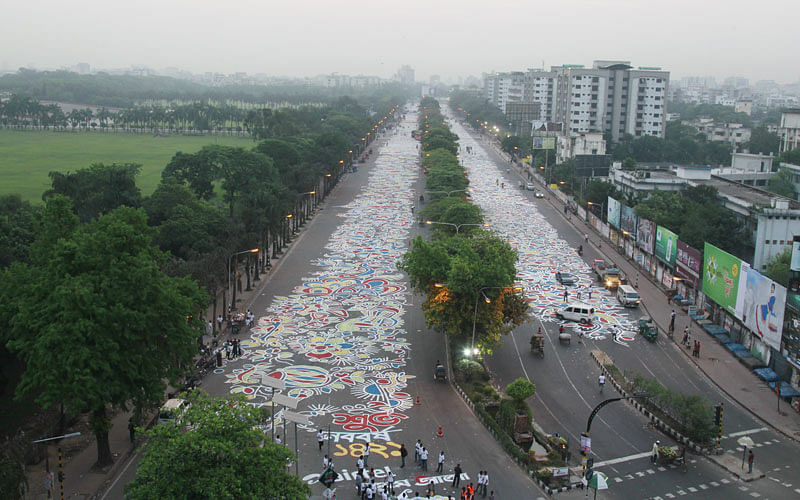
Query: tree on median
x=214, y=451
x=95, y=318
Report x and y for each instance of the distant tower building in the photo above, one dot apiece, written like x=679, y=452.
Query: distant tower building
x=406, y=75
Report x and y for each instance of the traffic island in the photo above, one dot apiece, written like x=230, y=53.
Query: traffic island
x=736, y=466
x=621, y=384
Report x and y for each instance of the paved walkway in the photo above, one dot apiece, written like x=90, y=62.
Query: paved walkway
x=717, y=363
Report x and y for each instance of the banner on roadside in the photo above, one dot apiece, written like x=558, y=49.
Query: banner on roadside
x=666, y=245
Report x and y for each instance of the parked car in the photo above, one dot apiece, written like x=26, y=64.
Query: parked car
x=566, y=278
x=531, y=186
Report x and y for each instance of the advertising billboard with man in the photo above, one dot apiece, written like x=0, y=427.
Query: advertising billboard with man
x=760, y=305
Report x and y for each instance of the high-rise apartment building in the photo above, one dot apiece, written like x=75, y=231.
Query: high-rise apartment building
x=611, y=96
x=405, y=75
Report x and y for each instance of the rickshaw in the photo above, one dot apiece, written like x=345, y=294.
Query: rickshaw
x=537, y=345
x=439, y=372
x=648, y=329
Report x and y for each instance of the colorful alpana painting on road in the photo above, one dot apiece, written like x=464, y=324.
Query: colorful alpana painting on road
x=338, y=341
x=541, y=252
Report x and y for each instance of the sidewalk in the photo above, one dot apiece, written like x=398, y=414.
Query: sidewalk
x=717, y=363
x=81, y=481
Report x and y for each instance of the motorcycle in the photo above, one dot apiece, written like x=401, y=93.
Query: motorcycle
x=580, y=250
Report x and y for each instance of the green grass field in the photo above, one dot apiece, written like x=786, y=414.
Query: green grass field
x=26, y=157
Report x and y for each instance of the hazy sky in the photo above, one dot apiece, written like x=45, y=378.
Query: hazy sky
x=755, y=39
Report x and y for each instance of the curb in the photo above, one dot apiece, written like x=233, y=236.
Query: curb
x=659, y=424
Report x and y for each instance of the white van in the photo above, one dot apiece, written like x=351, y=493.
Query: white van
x=627, y=296
x=172, y=410
x=577, y=311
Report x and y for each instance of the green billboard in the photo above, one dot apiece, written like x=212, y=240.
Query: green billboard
x=721, y=273
x=666, y=245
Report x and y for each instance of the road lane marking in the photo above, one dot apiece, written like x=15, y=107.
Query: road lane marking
x=744, y=433
x=620, y=460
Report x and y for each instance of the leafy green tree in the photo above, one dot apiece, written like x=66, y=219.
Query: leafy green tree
x=19, y=221
x=467, y=265
x=792, y=156
x=214, y=451
x=778, y=267
x=453, y=210
x=781, y=183
x=511, y=144
x=96, y=293
x=520, y=390
x=629, y=164
x=763, y=141
x=98, y=189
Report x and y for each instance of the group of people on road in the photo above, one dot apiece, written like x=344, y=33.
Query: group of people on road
x=368, y=488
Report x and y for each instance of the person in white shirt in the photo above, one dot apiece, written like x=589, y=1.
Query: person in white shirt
x=601, y=380
x=423, y=457
x=390, y=482
x=325, y=462
x=320, y=439
x=441, y=462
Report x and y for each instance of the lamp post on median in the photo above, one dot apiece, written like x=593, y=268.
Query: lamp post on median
x=233, y=302
x=457, y=226
x=450, y=193
x=486, y=299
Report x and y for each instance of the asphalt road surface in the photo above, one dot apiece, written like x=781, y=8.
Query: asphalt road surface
x=566, y=378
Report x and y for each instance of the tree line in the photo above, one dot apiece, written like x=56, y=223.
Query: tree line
x=126, y=91
x=102, y=289
x=463, y=261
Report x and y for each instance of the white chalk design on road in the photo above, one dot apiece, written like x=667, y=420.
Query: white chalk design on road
x=341, y=330
x=541, y=252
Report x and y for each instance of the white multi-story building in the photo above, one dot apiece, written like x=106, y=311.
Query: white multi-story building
x=583, y=144
x=733, y=133
x=790, y=129
x=501, y=88
x=611, y=96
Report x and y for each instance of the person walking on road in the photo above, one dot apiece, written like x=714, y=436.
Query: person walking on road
x=360, y=465
x=685, y=338
x=672, y=321
x=654, y=456
x=366, y=454
x=696, y=352
x=403, y=455
x=423, y=458
x=750, y=458
x=417, y=450
x=601, y=381
x=440, y=465
x=390, y=481
x=131, y=430
x=320, y=439
x=566, y=295
x=456, y=476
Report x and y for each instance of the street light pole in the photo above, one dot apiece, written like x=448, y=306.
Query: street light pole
x=233, y=302
x=457, y=226
x=487, y=300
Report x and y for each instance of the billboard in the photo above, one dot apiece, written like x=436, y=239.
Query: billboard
x=544, y=143
x=646, y=235
x=666, y=245
x=794, y=264
x=612, y=215
x=592, y=165
x=721, y=274
x=760, y=305
x=627, y=220
x=687, y=263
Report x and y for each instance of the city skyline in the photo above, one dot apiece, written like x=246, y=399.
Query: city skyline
x=450, y=39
